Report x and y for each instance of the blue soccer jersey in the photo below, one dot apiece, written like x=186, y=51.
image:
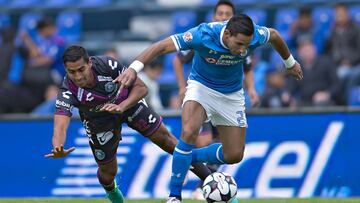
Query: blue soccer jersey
x=213, y=64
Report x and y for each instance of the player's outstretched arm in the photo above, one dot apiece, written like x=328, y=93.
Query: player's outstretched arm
x=138, y=91
x=250, y=86
x=179, y=73
x=157, y=49
x=61, y=123
x=292, y=66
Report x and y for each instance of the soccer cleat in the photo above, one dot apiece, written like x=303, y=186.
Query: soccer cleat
x=173, y=200
x=198, y=194
x=115, y=195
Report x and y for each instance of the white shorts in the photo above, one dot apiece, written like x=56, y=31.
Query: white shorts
x=221, y=109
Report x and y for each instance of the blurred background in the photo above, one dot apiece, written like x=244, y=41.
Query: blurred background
x=323, y=35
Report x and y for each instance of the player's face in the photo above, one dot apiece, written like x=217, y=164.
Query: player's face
x=222, y=13
x=237, y=44
x=80, y=73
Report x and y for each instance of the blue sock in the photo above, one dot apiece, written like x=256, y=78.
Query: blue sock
x=180, y=166
x=212, y=154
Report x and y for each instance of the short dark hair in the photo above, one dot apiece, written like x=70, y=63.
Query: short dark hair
x=44, y=23
x=341, y=5
x=305, y=11
x=225, y=2
x=74, y=53
x=240, y=24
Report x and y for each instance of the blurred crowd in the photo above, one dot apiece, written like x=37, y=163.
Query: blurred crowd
x=31, y=68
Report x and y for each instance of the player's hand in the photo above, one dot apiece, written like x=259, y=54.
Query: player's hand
x=59, y=152
x=254, y=98
x=112, y=108
x=126, y=79
x=295, y=71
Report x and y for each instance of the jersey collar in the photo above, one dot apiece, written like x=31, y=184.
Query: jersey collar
x=221, y=37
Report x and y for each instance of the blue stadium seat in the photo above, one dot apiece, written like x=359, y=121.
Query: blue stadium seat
x=354, y=97
x=209, y=16
x=276, y=60
x=355, y=13
x=240, y=2
x=4, y=2
x=322, y=18
x=69, y=26
x=283, y=20
x=168, y=76
x=28, y=23
x=258, y=16
x=209, y=2
x=94, y=3
x=279, y=2
x=313, y=1
x=4, y=20
x=25, y=3
x=182, y=21
x=59, y=3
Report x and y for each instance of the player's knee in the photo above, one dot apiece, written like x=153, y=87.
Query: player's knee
x=234, y=157
x=108, y=173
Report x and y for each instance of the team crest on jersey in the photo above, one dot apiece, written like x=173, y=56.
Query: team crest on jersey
x=99, y=154
x=210, y=60
x=110, y=87
x=187, y=37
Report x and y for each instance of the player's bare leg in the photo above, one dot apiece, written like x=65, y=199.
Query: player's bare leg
x=106, y=175
x=193, y=116
x=233, y=143
x=167, y=142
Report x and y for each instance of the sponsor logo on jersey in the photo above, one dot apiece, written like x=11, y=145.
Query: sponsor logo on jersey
x=212, y=52
x=59, y=104
x=104, y=137
x=102, y=78
x=187, y=37
x=130, y=118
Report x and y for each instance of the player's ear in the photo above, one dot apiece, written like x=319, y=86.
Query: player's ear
x=227, y=33
x=90, y=62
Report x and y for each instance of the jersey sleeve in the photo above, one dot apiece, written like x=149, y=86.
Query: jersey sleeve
x=110, y=66
x=247, y=64
x=65, y=102
x=262, y=34
x=187, y=40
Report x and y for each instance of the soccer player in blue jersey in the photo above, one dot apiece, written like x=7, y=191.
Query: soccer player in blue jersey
x=214, y=90
x=223, y=10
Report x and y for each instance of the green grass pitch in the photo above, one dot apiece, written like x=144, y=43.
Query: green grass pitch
x=100, y=200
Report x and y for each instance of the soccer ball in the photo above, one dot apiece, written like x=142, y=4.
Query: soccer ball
x=219, y=187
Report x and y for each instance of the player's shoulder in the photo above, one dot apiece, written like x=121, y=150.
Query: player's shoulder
x=105, y=64
x=261, y=33
x=212, y=27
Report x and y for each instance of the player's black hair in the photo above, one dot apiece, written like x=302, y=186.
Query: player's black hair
x=44, y=23
x=240, y=24
x=341, y=5
x=225, y=2
x=305, y=11
x=74, y=53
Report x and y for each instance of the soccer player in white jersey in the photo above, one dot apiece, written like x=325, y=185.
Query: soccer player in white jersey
x=214, y=91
